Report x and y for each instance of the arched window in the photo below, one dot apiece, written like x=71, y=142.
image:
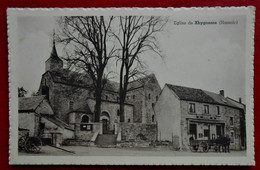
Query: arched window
x=149, y=96
x=152, y=118
x=84, y=119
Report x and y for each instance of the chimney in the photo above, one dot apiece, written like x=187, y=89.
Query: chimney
x=240, y=100
x=222, y=93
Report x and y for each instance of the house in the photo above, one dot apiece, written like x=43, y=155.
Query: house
x=36, y=118
x=183, y=112
x=30, y=111
x=72, y=98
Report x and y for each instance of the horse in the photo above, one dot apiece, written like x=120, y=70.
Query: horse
x=222, y=142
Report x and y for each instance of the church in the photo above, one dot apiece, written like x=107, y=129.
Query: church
x=63, y=112
x=72, y=99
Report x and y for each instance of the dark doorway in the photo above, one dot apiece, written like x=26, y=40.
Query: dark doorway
x=105, y=126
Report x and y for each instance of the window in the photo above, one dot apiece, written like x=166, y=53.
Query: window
x=218, y=110
x=156, y=98
x=206, y=133
x=232, y=137
x=149, y=96
x=94, y=95
x=192, y=107
x=206, y=109
x=133, y=96
x=71, y=103
x=231, y=121
x=152, y=104
x=152, y=118
x=84, y=119
x=118, y=113
x=129, y=120
x=106, y=97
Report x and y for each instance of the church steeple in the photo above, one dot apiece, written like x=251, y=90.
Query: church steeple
x=53, y=62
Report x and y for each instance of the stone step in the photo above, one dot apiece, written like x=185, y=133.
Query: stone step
x=106, y=140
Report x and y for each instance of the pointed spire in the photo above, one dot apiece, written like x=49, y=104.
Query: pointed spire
x=54, y=54
x=53, y=62
x=53, y=38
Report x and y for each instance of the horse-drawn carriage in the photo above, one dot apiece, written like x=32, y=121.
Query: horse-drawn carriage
x=220, y=144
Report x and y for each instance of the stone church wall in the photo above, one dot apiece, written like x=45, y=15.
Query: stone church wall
x=138, y=132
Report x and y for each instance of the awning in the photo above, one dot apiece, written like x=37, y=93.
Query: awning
x=207, y=121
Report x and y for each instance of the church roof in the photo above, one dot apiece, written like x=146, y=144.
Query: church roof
x=141, y=82
x=69, y=77
x=199, y=95
x=29, y=103
x=81, y=106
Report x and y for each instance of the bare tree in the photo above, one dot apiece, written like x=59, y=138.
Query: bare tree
x=136, y=35
x=88, y=49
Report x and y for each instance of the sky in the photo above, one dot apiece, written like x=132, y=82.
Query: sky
x=208, y=57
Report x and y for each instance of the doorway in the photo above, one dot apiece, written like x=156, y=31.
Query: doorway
x=219, y=130
x=105, y=122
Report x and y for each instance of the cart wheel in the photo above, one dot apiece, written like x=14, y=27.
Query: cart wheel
x=194, y=148
x=33, y=144
x=21, y=143
x=205, y=146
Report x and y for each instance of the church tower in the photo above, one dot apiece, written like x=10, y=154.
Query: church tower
x=53, y=62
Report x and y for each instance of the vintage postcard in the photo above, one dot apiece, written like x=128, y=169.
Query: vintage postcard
x=131, y=86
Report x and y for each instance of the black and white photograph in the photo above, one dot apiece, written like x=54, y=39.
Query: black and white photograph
x=131, y=86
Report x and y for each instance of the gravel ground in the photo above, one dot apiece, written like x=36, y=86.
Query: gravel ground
x=95, y=151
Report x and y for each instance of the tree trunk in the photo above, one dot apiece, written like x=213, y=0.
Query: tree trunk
x=122, y=104
x=123, y=92
x=98, y=101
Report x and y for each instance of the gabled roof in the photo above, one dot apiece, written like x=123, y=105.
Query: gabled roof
x=198, y=95
x=30, y=103
x=236, y=103
x=220, y=99
x=191, y=94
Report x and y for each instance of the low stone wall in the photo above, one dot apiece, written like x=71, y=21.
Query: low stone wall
x=83, y=135
x=137, y=134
